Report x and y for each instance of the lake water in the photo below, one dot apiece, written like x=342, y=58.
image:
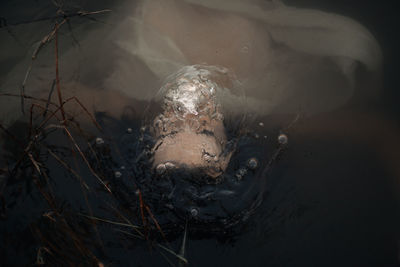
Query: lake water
x=328, y=197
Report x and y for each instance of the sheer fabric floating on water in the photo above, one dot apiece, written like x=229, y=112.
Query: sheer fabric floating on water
x=286, y=58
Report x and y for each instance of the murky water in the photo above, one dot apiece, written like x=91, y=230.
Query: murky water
x=312, y=177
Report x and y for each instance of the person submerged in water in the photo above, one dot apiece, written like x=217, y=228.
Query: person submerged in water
x=190, y=131
x=284, y=58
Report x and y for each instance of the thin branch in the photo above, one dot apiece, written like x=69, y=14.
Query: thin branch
x=110, y=222
x=85, y=159
x=66, y=166
x=86, y=111
x=183, y=247
x=173, y=253
x=22, y=93
x=144, y=220
x=11, y=135
x=4, y=22
x=49, y=97
x=58, y=74
x=156, y=223
x=126, y=219
x=48, y=38
x=91, y=117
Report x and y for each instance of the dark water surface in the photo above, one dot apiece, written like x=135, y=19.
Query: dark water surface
x=330, y=198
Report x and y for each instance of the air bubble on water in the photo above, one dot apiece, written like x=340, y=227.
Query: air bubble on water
x=241, y=173
x=207, y=157
x=169, y=206
x=194, y=212
x=283, y=139
x=117, y=174
x=169, y=165
x=158, y=123
x=99, y=141
x=161, y=168
x=252, y=163
x=219, y=117
x=129, y=130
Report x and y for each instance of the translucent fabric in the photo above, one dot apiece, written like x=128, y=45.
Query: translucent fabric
x=287, y=59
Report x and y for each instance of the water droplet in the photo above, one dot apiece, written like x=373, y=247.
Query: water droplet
x=99, y=141
x=122, y=168
x=261, y=124
x=129, y=130
x=117, y=174
x=283, y=139
x=245, y=49
x=252, y=163
x=161, y=168
x=256, y=136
